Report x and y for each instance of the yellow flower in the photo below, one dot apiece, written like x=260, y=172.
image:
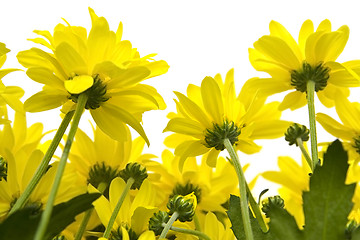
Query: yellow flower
x=348, y=131
x=294, y=179
x=214, y=110
x=216, y=230
x=18, y=149
x=212, y=187
x=100, y=160
x=134, y=213
x=9, y=95
x=291, y=64
x=99, y=64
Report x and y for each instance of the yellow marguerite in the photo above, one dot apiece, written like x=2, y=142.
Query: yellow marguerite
x=99, y=64
x=348, y=131
x=134, y=213
x=212, y=187
x=293, y=179
x=291, y=64
x=19, y=150
x=216, y=230
x=214, y=109
x=9, y=95
x=100, y=160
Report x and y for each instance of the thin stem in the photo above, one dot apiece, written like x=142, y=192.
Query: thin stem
x=116, y=210
x=300, y=143
x=45, y=217
x=201, y=235
x=312, y=122
x=256, y=209
x=242, y=187
x=40, y=171
x=102, y=186
x=197, y=222
x=168, y=225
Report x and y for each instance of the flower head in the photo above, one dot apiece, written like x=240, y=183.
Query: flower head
x=212, y=112
x=292, y=64
x=98, y=64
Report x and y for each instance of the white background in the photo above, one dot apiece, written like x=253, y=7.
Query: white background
x=196, y=38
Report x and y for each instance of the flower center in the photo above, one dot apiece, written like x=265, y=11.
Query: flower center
x=101, y=173
x=117, y=235
x=215, y=137
x=185, y=189
x=96, y=94
x=357, y=144
x=3, y=169
x=318, y=74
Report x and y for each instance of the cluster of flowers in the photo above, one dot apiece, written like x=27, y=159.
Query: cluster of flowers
x=100, y=72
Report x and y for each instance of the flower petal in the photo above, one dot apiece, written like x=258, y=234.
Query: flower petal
x=335, y=128
x=70, y=59
x=185, y=126
x=212, y=99
x=293, y=100
x=78, y=84
x=45, y=76
x=45, y=100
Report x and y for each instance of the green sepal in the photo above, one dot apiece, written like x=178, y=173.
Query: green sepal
x=22, y=224
x=328, y=203
x=234, y=214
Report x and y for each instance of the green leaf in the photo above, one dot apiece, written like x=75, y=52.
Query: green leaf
x=356, y=234
x=328, y=203
x=235, y=217
x=23, y=223
x=283, y=225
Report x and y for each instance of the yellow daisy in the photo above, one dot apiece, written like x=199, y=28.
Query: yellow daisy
x=293, y=179
x=99, y=64
x=18, y=149
x=212, y=187
x=214, y=110
x=292, y=64
x=134, y=214
x=348, y=131
x=100, y=160
x=9, y=95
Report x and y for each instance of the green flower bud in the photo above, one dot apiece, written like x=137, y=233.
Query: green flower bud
x=185, y=189
x=117, y=234
x=215, y=137
x=351, y=226
x=157, y=220
x=296, y=131
x=270, y=202
x=318, y=74
x=135, y=171
x=184, y=205
x=101, y=173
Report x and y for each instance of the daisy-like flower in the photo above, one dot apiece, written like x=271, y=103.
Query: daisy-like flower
x=212, y=187
x=348, y=131
x=134, y=214
x=213, y=112
x=294, y=180
x=18, y=150
x=100, y=160
x=9, y=95
x=292, y=64
x=101, y=65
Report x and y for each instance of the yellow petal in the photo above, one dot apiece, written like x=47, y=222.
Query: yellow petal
x=102, y=206
x=211, y=227
x=212, y=99
x=190, y=148
x=70, y=59
x=78, y=84
x=269, y=129
x=128, y=77
x=45, y=76
x=335, y=128
x=348, y=113
x=185, y=126
x=293, y=100
x=306, y=30
x=330, y=45
x=45, y=100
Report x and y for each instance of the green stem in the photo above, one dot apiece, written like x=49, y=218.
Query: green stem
x=116, y=210
x=199, y=234
x=40, y=171
x=256, y=209
x=312, y=122
x=45, y=217
x=300, y=143
x=102, y=186
x=168, y=225
x=197, y=222
x=242, y=187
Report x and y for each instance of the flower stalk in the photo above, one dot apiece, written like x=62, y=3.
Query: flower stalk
x=306, y=155
x=199, y=234
x=312, y=122
x=61, y=167
x=116, y=210
x=242, y=186
x=44, y=163
x=168, y=225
